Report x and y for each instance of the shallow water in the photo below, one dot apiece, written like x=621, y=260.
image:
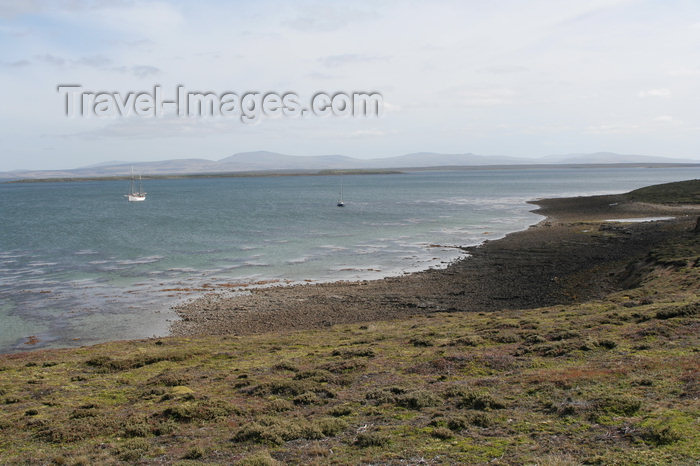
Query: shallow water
x=80, y=265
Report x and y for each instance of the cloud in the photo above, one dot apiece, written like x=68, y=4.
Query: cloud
x=333, y=61
x=325, y=18
x=484, y=97
x=96, y=61
x=51, y=59
x=503, y=69
x=154, y=128
x=542, y=128
x=664, y=118
x=142, y=71
x=613, y=128
x=655, y=93
x=146, y=20
x=463, y=63
x=19, y=63
x=368, y=132
x=669, y=121
x=390, y=108
x=684, y=72
x=317, y=75
x=11, y=8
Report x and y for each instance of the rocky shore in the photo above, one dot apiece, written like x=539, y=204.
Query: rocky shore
x=571, y=256
x=607, y=380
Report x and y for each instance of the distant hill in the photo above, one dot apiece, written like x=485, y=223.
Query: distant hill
x=610, y=157
x=271, y=161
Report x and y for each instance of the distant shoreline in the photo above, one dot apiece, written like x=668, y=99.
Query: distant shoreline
x=210, y=175
x=349, y=171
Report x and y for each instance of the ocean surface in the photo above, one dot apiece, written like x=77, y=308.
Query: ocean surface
x=80, y=265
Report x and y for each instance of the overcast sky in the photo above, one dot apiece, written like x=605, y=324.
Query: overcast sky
x=520, y=78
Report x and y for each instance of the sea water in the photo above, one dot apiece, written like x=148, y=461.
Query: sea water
x=79, y=264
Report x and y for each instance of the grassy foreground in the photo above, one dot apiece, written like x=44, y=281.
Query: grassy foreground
x=609, y=381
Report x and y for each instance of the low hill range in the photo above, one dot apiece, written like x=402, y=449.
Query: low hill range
x=261, y=161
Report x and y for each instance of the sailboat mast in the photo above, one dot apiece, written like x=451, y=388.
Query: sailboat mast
x=131, y=184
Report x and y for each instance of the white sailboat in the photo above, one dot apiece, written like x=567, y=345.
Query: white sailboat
x=135, y=196
x=340, y=199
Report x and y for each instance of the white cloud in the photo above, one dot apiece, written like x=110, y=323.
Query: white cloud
x=663, y=92
x=504, y=69
x=143, y=71
x=50, y=59
x=684, y=72
x=368, y=132
x=485, y=97
x=151, y=128
x=333, y=61
x=613, y=128
x=664, y=118
x=581, y=74
x=325, y=17
x=670, y=121
x=390, y=108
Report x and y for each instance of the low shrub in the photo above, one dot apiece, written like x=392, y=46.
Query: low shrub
x=624, y=405
x=306, y=398
x=132, y=429
x=371, y=439
x=276, y=431
x=442, y=433
x=418, y=400
x=688, y=310
x=466, y=341
x=339, y=411
x=286, y=366
x=421, y=341
x=132, y=450
x=108, y=364
x=331, y=426
x=259, y=458
x=355, y=353
x=661, y=435
x=194, y=453
x=188, y=411
x=279, y=405
x=480, y=402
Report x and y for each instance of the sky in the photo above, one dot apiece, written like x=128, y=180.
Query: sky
x=503, y=77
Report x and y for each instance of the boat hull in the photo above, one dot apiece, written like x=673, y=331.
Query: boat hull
x=135, y=198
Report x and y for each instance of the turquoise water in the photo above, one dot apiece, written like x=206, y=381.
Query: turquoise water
x=79, y=264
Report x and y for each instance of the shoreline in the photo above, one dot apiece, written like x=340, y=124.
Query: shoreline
x=304, y=304
x=206, y=175
x=548, y=263
x=65, y=175
x=611, y=377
